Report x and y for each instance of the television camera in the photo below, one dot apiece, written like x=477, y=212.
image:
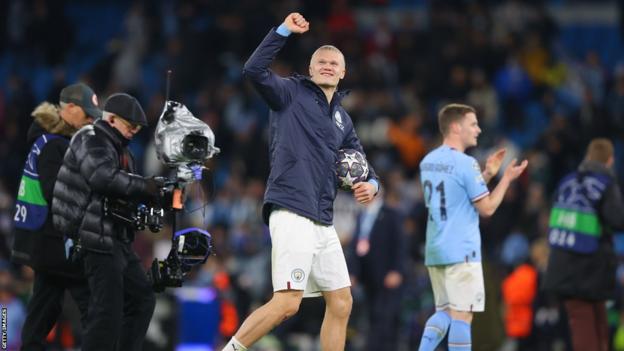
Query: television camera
x=183, y=143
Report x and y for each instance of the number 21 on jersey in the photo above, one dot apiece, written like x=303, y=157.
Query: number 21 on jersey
x=428, y=189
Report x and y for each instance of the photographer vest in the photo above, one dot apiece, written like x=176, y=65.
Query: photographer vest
x=31, y=208
x=574, y=224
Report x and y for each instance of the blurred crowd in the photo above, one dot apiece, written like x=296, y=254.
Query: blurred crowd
x=538, y=94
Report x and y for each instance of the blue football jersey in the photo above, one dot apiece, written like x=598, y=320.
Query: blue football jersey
x=451, y=182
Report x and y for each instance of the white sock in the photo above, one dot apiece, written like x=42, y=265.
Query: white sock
x=234, y=345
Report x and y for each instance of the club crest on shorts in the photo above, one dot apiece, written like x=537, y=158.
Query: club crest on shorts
x=338, y=118
x=297, y=275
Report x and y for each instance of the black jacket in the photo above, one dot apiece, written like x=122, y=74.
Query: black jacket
x=305, y=135
x=93, y=169
x=590, y=276
x=387, y=250
x=43, y=249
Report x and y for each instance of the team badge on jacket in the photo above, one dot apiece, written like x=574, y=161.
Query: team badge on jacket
x=338, y=119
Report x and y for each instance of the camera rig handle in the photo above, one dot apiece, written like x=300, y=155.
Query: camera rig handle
x=189, y=246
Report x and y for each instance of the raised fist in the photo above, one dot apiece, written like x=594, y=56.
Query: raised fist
x=296, y=23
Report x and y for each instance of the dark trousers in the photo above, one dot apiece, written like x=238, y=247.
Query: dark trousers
x=385, y=310
x=46, y=305
x=122, y=300
x=588, y=324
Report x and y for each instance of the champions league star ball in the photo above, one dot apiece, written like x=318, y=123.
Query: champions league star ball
x=351, y=168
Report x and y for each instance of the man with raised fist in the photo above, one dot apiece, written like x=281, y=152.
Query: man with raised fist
x=308, y=126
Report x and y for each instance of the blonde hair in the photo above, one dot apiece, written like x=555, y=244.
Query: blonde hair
x=328, y=48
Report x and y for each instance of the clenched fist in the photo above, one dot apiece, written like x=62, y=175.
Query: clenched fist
x=296, y=23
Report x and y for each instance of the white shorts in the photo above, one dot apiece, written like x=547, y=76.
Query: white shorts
x=305, y=255
x=458, y=286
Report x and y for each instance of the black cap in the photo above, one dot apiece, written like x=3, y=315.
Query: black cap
x=126, y=107
x=83, y=96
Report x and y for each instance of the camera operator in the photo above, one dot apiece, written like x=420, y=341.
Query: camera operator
x=99, y=168
x=36, y=243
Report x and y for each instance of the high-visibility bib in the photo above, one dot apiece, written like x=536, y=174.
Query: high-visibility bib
x=31, y=207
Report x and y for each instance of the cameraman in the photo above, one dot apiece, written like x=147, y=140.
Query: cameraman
x=99, y=168
x=36, y=243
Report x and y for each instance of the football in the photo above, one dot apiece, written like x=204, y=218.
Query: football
x=351, y=168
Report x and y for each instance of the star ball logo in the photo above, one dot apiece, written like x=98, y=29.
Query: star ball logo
x=297, y=275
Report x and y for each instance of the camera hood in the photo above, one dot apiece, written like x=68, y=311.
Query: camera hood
x=181, y=138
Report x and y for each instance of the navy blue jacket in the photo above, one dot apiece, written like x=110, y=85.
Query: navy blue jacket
x=305, y=135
